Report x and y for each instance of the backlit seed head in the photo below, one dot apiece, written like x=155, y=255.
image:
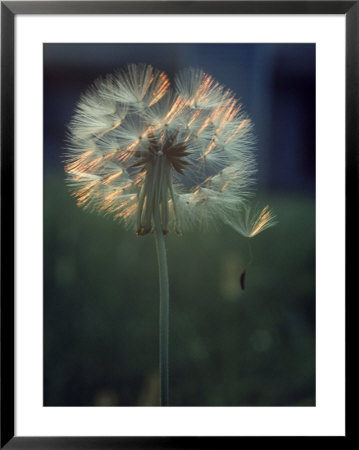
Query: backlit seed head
x=138, y=146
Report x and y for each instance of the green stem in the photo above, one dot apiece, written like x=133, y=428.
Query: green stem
x=164, y=305
x=177, y=223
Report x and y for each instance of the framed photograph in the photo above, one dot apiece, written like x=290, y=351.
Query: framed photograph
x=174, y=181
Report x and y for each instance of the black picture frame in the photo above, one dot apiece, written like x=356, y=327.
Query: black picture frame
x=9, y=10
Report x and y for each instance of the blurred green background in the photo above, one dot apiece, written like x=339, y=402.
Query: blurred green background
x=228, y=347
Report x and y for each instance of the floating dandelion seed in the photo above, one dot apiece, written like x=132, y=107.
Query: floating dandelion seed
x=158, y=158
x=249, y=223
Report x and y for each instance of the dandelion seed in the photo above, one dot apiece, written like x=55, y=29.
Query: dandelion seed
x=138, y=86
x=200, y=91
x=250, y=224
x=243, y=279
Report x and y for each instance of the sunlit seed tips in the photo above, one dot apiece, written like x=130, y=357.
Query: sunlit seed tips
x=249, y=223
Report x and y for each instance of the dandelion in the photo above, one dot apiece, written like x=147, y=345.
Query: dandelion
x=159, y=156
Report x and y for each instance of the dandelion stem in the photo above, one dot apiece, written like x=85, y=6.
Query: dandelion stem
x=178, y=226
x=164, y=305
x=141, y=200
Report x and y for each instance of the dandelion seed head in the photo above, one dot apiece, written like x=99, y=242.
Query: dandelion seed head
x=138, y=144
